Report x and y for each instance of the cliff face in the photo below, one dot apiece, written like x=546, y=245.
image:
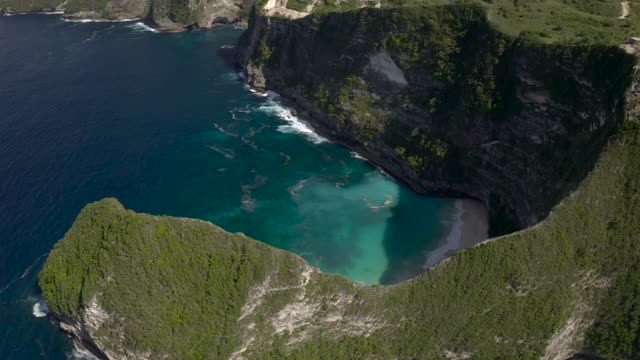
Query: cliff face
x=137, y=286
x=447, y=104
x=168, y=15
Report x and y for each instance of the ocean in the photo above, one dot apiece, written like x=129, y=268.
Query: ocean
x=111, y=109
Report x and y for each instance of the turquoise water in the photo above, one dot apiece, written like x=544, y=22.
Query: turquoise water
x=90, y=110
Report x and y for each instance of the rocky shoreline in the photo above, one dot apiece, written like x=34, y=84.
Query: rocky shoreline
x=192, y=16
x=507, y=155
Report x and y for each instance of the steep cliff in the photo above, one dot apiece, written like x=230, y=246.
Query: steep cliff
x=133, y=285
x=443, y=101
x=167, y=15
x=450, y=105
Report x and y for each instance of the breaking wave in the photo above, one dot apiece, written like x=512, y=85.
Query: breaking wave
x=355, y=155
x=294, y=124
x=141, y=27
x=254, y=91
x=98, y=20
x=81, y=354
x=40, y=308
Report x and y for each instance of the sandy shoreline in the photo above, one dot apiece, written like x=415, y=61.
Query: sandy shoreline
x=469, y=227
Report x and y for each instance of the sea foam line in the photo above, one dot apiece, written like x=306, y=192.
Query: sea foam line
x=140, y=26
x=35, y=13
x=355, y=155
x=98, y=20
x=24, y=274
x=294, y=124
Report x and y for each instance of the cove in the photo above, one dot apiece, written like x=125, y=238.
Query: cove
x=94, y=110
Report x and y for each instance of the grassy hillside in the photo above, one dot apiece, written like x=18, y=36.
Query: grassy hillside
x=565, y=21
x=29, y=5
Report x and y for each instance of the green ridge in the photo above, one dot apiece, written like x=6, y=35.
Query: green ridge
x=178, y=286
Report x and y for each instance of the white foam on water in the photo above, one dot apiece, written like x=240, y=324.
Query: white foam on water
x=90, y=37
x=453, y=240
x=40, y=308
x=255, y=92
x=98, y=20
x=294, y=124
x=227, y=47
x=359, y=235
x=273, y=95
x=293, y=190
x=355, y=155
x=141, y=27
x=381, y=171
x=228, y=153
x=223, y=131
x=81, y=354
x=35, y=13
x=389, y=201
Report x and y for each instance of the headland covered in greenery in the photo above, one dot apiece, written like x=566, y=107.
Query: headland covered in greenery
x=145, y=286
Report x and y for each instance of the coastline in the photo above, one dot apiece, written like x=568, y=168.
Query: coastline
x=469, y=227
x=147, y=24
x=469, y=223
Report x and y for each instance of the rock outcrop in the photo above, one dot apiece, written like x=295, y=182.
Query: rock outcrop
x=447, y=104
x=164, y=15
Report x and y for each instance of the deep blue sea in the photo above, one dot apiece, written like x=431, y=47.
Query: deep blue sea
x=103, y=109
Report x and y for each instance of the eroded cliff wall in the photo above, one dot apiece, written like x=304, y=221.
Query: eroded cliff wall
x=446, y=103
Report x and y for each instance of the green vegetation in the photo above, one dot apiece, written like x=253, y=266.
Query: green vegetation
x=616, y=333
x=566, y=21
x=356, y=106
x=425, y=149
x=177, y=285
x=187, y=289
x=29, y=5
x=263, y=54
x=87, y=5
x=181, y=285
x=178, y=11
x=328, y=6
x=298, y=5
x=478, y=96
x=560, y=21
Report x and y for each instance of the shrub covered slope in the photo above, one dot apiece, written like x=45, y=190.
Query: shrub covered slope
x=187, y=289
